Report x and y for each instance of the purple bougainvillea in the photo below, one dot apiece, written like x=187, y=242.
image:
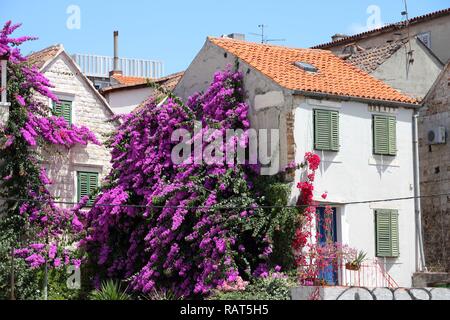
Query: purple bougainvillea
x=182, y=239
x=33, y=218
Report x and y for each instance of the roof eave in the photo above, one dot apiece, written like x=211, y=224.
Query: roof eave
x=322, y=95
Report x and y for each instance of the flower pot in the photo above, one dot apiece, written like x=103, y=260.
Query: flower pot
x=351, y=266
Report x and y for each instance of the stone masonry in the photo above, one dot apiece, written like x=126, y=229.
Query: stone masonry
x=435, y=176
x=87, y=110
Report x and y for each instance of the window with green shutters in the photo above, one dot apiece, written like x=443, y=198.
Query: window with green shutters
x=63, y=109
x=87, y=183
x=386, y=233
x=384, y=135
x=326, y=130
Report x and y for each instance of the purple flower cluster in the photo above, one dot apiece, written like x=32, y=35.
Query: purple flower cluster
x=31, y=125
x=169, y=244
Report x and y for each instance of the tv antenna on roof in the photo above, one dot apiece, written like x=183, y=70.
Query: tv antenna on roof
x=264, y=39
x=410, y=58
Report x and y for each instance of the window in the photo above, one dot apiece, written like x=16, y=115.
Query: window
x=87, y=184
x=386, y=233
x=384, y=135
x=63, y=109
x=425, y=37
x=326, y=130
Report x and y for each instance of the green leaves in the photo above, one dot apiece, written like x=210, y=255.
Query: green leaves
x=110, y=290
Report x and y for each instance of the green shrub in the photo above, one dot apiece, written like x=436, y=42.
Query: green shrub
x=159, y=295
x=260, y=289
x=110, y=290
x=27, y=284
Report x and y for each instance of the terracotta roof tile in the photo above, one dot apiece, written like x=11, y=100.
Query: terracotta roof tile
x=39, y=58
x=128, y=80
x=334, y=76
x=387, y=28
x=168, y=83
x=369, y=60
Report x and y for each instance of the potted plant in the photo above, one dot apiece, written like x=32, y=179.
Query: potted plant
x=355, y=264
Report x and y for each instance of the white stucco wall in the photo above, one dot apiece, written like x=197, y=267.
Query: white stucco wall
x=124, y=101
x=354, y=174
x=87, y=110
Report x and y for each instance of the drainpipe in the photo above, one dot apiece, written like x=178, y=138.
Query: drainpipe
x=420, y=256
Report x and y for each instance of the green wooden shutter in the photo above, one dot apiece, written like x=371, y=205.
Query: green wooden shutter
x=384, y=135
x=326, y=130
x=87, y=184
x=392, y=124
x=386, y=233
x=63, y=109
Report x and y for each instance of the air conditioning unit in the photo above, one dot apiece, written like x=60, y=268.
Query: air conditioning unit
x=437, y=136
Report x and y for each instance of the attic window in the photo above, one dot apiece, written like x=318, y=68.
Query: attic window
x=306, y=66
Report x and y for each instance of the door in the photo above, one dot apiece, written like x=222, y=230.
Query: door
x=330, y=272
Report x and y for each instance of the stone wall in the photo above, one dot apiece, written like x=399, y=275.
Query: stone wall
x=364, y=293
x=435, y=176
x=87, y=110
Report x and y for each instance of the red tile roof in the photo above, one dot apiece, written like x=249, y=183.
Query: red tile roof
x=128, y=80
x=369, y=60
x=40, y=58
x=387, y=28
x=334, y=75
x=168, y=82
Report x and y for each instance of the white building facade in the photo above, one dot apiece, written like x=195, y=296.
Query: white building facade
x=354, y=173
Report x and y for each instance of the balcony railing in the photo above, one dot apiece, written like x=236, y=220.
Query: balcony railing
x=371, y=274
x=100, y=66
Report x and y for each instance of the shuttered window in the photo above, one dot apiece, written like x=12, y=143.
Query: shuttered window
x=63, y=109
x=384, y=135
x=386, y=233
x=87, y=184
x=326, y=130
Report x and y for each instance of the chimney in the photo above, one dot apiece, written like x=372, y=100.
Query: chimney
x=237, y=36
x=116, y=55
x=338, y=36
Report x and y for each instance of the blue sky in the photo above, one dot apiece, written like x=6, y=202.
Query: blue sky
x=174, y=30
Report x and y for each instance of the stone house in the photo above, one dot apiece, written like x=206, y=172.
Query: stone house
x=432, y=28
x=406, y=65
x=359, y=126
x=434, y=150
x=78, y=171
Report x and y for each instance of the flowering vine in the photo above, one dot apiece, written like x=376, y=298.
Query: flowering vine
x=313, y=254
x=201, y=225
x=31, y=218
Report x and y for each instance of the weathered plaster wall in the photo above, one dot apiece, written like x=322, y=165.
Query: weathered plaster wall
x=414, y=79
x=435, y=176
x=87, y=110
x=364, y=293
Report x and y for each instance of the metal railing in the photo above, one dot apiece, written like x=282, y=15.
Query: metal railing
x=371, y=274
x=100, y=66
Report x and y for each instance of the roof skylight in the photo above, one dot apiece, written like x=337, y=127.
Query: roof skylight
x=306, y=66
